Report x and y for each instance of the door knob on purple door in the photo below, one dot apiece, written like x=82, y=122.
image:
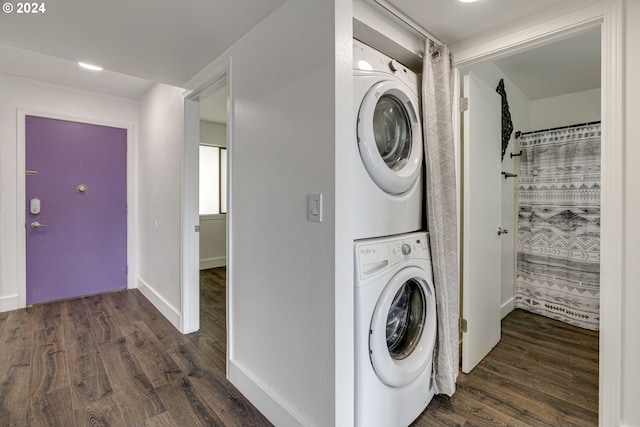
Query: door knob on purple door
x=36, y=224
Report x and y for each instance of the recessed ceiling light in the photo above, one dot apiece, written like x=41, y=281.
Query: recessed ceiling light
x=467, y=1
x=90, y=66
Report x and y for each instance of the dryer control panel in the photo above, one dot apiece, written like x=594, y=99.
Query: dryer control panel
x=376, y=255
x=367, y=59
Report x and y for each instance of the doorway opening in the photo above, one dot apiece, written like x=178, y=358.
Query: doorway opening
x=207, y=208
x=551, y=85
x=212, y=201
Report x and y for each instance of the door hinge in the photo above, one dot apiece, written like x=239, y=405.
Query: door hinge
x=462, y=323
x=197, y=228
x=127, y=270
x=464, y=104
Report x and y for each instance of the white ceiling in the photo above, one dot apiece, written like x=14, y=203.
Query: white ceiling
x=36, y=66
x=567, y=66
x=167, y=41
x=452, y=21
x=138, y=42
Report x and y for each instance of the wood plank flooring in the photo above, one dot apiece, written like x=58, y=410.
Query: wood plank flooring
x=113, y=360
x=542, y=373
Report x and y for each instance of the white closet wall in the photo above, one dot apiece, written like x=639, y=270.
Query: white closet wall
x=565, y=110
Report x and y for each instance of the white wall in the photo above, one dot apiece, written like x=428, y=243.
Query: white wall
x=282, y=307
x=213, y=228
x=159, y=198
x=565, y=110
x=520, y=109
x=281, y=266
x=213, y=133
x=43, y=98
x=213, y=241
x=631, y=290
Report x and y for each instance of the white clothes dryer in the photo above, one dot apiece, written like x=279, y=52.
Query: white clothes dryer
x=395, y=321
x=389, y=146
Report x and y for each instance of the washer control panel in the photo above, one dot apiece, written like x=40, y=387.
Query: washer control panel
x=401, y=250
x=376, y=255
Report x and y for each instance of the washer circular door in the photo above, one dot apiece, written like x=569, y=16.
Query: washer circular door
x=389, y=136
x=403, y=328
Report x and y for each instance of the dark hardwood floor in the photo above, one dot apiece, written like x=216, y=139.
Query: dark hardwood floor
x=113, y=360
x=542, y=373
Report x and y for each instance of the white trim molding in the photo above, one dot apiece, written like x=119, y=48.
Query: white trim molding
x=613, y=235
x=169, y=311
x=517, y=40
x=608, y=15
x=276, y=410
x=507, y=307
x=190, y=220
x=213, y=262
x=8, y=303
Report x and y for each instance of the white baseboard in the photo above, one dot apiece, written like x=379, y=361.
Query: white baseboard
x=507, y=307
x=269, y=405
x=167, y=310
x=9, y=303
x=213, y=262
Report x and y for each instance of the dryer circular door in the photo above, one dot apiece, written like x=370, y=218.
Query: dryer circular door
x=403, y=328
x=389, y=136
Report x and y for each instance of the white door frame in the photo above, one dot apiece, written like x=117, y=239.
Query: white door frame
x=214, y=79
x=608, y=15
x=190, y=220
x=21, y=237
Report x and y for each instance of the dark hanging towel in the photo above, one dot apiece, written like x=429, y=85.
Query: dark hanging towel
x=507, y=124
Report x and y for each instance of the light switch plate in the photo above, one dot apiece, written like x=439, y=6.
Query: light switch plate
x=314, y=207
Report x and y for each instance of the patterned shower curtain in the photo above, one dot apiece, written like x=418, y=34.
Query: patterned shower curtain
x=437, y=95
x=558, y=271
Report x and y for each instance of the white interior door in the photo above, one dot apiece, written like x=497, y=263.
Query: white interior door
x=481, y=262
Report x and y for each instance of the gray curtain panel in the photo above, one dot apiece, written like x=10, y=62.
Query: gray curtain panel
x=558, y=273
x=437, y=85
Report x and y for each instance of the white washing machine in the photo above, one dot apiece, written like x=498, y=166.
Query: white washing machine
x=389, y=145
x=395, y=332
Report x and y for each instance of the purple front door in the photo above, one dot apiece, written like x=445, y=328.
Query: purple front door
x=76, y=209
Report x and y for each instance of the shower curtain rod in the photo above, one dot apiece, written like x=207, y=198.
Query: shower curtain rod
x=406, y=20
x=519, y=134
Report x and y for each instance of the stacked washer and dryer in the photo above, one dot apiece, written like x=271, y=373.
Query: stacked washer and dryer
x=394, y=295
